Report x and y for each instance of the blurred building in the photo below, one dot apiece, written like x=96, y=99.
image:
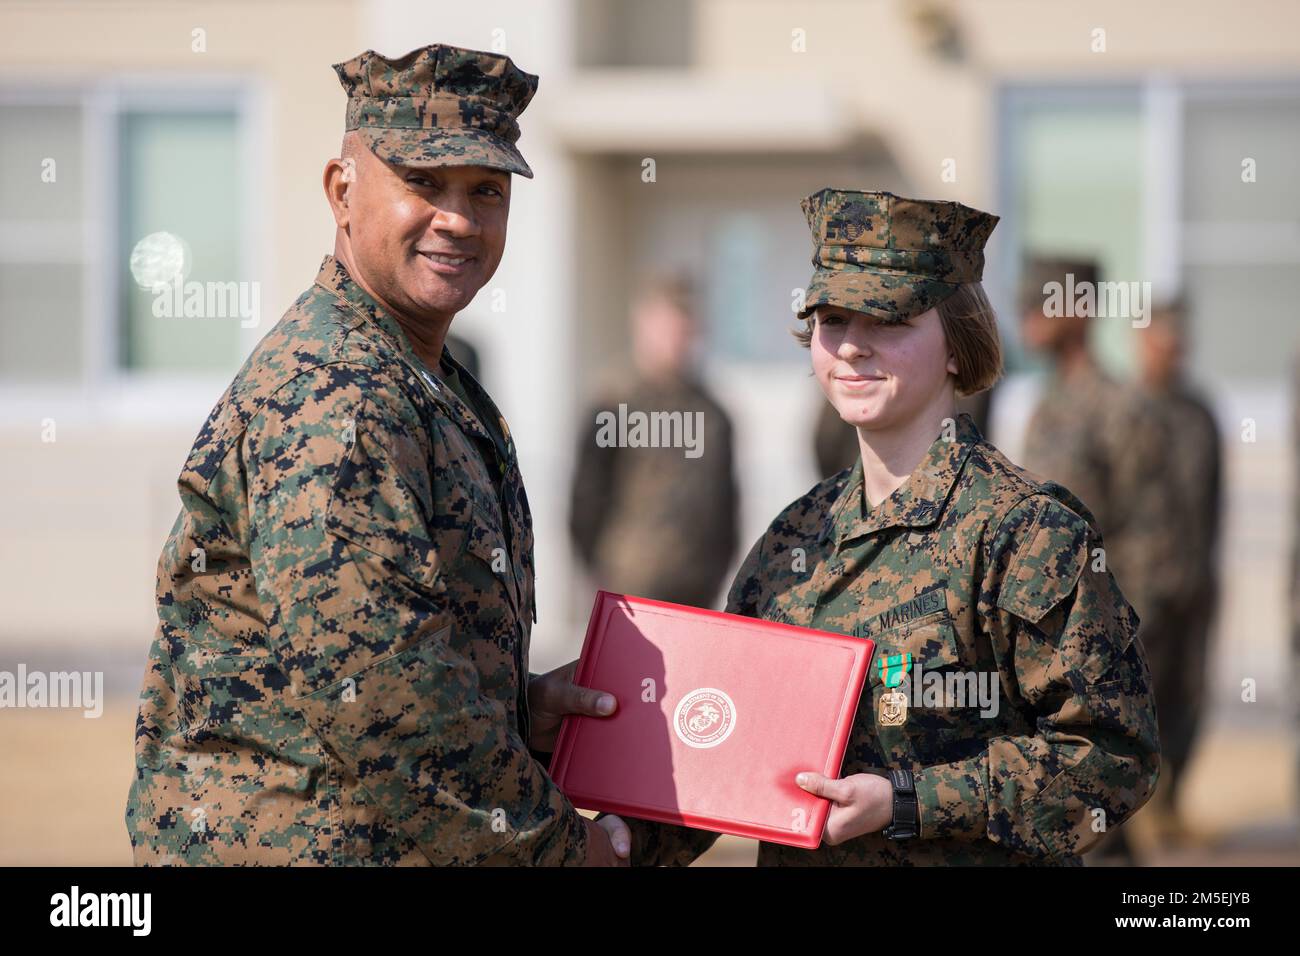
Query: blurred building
x=668, y=135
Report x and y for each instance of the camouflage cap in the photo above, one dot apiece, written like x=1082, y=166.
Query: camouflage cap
x=439, y=106
x=890, y=257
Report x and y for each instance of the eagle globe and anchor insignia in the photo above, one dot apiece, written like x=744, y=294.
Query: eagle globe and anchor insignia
x=704, y=718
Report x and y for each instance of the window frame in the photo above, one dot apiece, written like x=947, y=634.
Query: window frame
x=1169, y=242
x=105, y=389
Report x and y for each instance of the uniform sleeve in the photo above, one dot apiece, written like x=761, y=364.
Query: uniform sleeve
x=348, y=551
x=1065, y=641
x=664, y=844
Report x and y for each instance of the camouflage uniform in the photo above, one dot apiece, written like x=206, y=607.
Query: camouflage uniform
x=345, y=603
x=651, y=521
x=970, y=566
x=1106, y=443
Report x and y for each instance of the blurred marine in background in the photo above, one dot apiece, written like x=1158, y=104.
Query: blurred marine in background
x=657, y=522
x=1177, y=643
x=1107, y=443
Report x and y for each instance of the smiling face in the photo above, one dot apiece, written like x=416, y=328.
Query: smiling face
x=423, y=240
x=882, y=376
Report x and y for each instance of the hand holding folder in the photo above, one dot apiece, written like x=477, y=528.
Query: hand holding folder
x=551, y=697
x=717, y=714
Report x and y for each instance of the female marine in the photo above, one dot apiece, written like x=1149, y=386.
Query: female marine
x=1008, y=716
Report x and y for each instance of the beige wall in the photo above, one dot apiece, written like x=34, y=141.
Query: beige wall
x=78, y=551
x=285, y=46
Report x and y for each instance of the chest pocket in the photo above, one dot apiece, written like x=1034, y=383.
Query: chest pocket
x=383, y=509
x=933, y=727
x=931, y=640
x=486, y=544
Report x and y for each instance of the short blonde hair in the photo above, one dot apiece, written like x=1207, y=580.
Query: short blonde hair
x=970, y=327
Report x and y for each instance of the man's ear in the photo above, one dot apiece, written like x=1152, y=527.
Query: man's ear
x=952, y=364
x=339, y=176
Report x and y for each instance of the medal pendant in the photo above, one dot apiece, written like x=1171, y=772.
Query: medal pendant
x=893, y=709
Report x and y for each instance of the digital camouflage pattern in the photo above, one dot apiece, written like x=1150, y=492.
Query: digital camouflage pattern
x=890, y=257
x=439, y=106
x=345, y=603
x=971, y=566
x=1106, y=442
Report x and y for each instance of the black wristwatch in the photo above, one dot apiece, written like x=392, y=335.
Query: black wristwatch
x=907, y=819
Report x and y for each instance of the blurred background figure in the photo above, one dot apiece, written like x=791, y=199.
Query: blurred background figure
x=1102, y=440
x=1106, y=443
x=649, y=521
x=1177, y=641
x=466, y=354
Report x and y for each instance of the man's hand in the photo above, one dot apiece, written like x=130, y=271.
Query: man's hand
x=609, y=842
x=553, y=695
x=861, y=803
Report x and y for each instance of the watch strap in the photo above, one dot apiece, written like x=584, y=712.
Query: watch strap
x=906, y=824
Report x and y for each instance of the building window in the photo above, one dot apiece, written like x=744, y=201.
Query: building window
x=91, y=173
x=43, y=228
x=1185, y=185
x=180, y=176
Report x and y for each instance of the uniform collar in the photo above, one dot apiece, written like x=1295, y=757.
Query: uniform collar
x=334, y=278
x=917, y=502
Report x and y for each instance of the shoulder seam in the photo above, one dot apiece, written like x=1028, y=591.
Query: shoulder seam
x=1029, y=495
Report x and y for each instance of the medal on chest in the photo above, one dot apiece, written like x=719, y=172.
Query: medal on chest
x=893, y=703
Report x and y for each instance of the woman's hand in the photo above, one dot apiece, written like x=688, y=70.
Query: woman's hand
x=861, y=803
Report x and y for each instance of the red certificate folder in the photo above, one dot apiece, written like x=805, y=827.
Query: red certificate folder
x=716, y=714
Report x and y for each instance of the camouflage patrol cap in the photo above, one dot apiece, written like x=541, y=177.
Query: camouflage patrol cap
x=439, y=106
x=890, y=257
